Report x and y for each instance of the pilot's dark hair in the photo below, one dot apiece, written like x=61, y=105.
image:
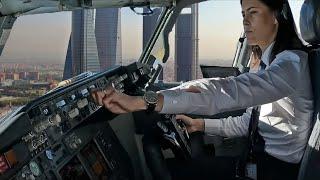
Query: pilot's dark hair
x=287, y=37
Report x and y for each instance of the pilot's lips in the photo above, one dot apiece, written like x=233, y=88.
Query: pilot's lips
x=248, y=33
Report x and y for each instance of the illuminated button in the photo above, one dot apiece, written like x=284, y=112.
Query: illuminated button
x=34, y=168
x=46, y=111
x=78, y=141
x=73, y=145
x=73, y=97
x=56, y=119
x=60, y=103
x=73, y=113
x=49, y=154
x=84, y=92
x=3, y=164
x=82, y=103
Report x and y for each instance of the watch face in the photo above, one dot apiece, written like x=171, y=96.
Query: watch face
x=151, y=97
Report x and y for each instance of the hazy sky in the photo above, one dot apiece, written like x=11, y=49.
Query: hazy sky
x=44, y=37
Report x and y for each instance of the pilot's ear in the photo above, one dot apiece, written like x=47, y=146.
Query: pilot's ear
x=275, y=18
x=275, y=21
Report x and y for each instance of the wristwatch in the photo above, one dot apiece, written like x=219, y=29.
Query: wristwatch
x=151, y=99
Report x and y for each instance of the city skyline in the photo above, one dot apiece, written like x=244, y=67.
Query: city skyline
x=35, y=37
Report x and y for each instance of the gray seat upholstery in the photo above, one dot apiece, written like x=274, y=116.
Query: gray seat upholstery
x=310, y=31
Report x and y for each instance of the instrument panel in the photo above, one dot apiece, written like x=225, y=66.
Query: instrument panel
x=49, y=125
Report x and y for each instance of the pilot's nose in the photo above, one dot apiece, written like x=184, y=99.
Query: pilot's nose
x=245, y=21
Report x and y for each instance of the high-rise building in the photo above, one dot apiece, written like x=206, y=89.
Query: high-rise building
x=67, y=73
x=186, y=44
x=34, y=76
x=23, y=75
x=95, y=41
x=149, y=25
x=108, y=36
x=2, y=76
x=83, y=42
x=12, y=76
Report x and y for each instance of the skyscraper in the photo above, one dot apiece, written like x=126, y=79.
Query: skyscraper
x=108, y=36
x=83, y=42
x=95, y=42
x=67, y=73
x=186, y=44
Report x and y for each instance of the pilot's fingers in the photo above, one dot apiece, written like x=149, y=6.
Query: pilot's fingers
x=185, y=119
x=108, y=99
x=94, y=96
x=110, y=102
x=116, y=108
x=109, y=90
x=99, y=96
x=193, y=89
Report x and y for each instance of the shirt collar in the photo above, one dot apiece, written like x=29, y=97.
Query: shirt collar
x=266, y=54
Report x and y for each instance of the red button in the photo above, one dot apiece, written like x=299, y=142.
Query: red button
x=3, y=164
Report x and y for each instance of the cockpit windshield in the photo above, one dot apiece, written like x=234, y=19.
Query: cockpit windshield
x=45, y=49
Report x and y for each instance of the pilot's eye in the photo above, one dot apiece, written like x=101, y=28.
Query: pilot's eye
x=253, y=12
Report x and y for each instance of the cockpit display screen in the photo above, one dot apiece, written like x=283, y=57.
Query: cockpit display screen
x=94, y=159
x=73, y=170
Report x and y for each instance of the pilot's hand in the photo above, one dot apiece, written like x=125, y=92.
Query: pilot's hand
x=192, y=125
x=117, y=102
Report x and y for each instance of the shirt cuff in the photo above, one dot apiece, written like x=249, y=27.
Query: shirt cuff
x=212, y=126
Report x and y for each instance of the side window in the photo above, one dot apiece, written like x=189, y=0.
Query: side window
x=204, y=34
x=295, y=8
x=131, y=36
x=220, y=26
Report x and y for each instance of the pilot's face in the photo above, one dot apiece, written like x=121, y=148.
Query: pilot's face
x=259, y=22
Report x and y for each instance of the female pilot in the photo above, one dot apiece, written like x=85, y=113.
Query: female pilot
x=281, y=88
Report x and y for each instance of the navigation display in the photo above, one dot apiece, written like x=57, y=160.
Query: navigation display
x=73, y=170
x=94, y=159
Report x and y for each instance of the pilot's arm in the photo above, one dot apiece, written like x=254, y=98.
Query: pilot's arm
x=228, y=94
x=226, y=127
x=217, y=95
x=230, y=126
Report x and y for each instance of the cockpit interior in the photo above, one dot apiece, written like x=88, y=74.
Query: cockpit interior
x=64, y=135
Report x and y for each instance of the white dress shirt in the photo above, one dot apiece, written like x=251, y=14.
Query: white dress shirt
x=283, y=90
